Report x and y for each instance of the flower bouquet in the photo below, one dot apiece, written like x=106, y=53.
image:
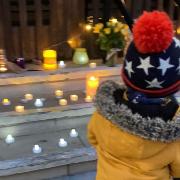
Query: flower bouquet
x=111, y=38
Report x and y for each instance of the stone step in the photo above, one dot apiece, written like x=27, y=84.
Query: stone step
x=49, y=166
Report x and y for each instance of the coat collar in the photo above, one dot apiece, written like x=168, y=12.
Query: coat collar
x=155, y=129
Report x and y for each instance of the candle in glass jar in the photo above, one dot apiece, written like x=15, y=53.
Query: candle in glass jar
x=37, y=149
x=58, y=93
x=6, y=102
x=74, y=97
x=92, y=65
x=19, y=109
x=92, y=84
x=28, y=97
x=63, y=102
x=88, y=99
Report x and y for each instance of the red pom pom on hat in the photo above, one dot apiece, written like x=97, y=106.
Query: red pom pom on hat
x=153, y=32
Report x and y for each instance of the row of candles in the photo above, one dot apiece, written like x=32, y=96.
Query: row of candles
x=63, y=65
x=50, y=59
x=92, y=84
x=37, y=149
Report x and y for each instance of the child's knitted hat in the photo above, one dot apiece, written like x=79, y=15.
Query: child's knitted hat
x=152, y=62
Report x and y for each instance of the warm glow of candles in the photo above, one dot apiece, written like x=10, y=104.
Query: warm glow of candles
x=92, y=84
x=3, y=68
x=28, y=97
x=19, y=109
x=92, y=65
x=178, y=30
x=63, y=102
x=59, y=93
x=88, y=99
x=113, y=20
x=6, y=102
x=88, y=27
x=74, y=97
x=50, y=59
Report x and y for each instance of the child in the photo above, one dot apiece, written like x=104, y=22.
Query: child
x=136, y=129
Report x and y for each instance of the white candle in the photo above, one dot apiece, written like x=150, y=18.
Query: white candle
x=38, y=103
x=19, y=109
x=63, y=102
x=92, y=65
x=74, y=97
x=28, y=97
x=6, y=102
x=9, y=139
x=62, y=64
x=62, y=143
x=37, y=149
x=73, y=133
x=59, y=93
x=88, y=99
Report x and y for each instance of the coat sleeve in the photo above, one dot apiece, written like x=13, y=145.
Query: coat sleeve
x=175, y=165
x=91, y=131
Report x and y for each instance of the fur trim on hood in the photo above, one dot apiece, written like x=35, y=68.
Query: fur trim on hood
x=155, y=129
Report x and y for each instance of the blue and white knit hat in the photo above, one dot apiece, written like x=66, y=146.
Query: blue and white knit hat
x=152, y=62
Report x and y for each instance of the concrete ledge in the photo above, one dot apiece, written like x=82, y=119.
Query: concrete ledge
x=66, y=74
x=49, y=165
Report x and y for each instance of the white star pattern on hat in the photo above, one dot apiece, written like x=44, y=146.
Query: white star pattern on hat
x=164, y=65
x=128, y=67
x=178, y=68
x=145, y=65
x=154, y=83
x=177, y=42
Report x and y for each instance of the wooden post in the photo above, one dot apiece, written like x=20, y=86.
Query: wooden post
x=160, y=5
x=8, y=30
x=106, y=10
x=27, y=33
x=95, y=7
x=2, y=45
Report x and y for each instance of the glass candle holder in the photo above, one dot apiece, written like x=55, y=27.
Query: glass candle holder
x=80, y=56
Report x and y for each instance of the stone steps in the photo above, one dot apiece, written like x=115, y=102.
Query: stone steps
x=45, y=126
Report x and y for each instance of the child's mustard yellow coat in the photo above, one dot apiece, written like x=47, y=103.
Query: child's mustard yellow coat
x=130, y=147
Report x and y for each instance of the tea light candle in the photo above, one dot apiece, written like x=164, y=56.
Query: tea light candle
x=63, y=102
x=3, y=68
x=62, y=143
x=37, y=149
x=28, y=97
x=39, y=103
x=62, y=64
x=9, y=139
x=19, y=109
x=58, y=93
x=74, y=97
x=73, y=133
x=6, y=102
x=88, y=99
x=92, y=65
x=92, y=84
